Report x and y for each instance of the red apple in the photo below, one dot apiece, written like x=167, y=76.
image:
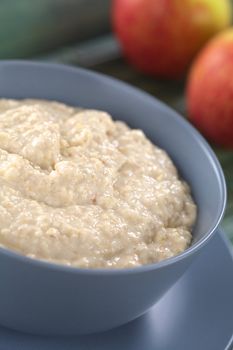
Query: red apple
x=161, y=37
x=210, y=90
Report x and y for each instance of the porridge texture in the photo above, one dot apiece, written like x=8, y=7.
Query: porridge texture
x=80, y=189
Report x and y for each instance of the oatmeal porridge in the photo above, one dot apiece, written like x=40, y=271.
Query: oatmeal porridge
x=80, y=189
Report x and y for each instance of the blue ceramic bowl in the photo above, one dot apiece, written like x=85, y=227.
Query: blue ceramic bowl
x=44, y=298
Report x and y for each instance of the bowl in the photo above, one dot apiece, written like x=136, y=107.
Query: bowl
x=45, y=298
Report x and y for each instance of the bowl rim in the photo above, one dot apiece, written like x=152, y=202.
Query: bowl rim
x=116, y=83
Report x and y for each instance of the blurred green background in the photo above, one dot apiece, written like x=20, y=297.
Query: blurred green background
x=79, y=32
x=29, y=27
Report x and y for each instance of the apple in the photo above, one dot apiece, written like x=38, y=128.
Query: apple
x=210, y=90
x=161, y=37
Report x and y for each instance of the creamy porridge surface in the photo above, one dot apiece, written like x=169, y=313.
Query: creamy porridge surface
x=79, y=189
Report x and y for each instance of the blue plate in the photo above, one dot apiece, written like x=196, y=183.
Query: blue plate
x=196, y=314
